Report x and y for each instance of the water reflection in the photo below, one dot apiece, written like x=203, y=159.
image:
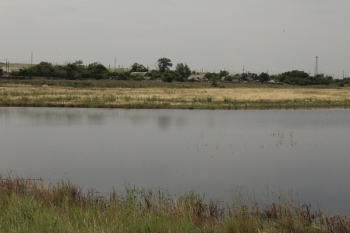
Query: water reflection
x=95, y=118
x=164, y=122
x=211, y=152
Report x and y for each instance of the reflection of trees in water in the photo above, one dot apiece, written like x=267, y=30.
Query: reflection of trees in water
x=181, y=121
x=55, y=118
x=42, y=116
x=164, y=122
x=4, y=113
x=96, y=118
x=64, y=116
x=73, y=119
x=139, y=120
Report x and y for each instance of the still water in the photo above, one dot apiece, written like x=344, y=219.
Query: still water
x=305, y=152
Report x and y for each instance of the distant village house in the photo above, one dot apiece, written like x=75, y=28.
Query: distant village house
x=198, y=78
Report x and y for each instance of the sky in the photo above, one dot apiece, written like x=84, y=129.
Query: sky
x=259, y=35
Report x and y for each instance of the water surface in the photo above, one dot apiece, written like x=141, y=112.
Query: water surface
x=211, y=152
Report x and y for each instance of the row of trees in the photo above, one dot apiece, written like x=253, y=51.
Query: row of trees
x=294, y=77
x=74, y=70
x=77, y=70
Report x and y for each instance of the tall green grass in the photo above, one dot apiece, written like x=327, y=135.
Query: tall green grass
x=29, y=206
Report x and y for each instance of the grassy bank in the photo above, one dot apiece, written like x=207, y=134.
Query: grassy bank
x=127, y=94
x=29, y=206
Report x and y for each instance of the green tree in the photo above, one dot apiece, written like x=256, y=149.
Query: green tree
x=253, y=76
x=183, y=70
x=213, y=81
x=155, y=74
x=23, y=72
x=59, y=72
x=164, y=64
x=79, y=63
x=97, y=71
x=245, y=77
x=264, y=77
x=124, y=75
x=169, y=76
x=228, y=78
x=296, y=77
x=138, y=68
x=223, y=73
x=43, y=69
x=1, y=72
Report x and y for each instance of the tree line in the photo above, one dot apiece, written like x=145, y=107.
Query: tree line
x=78, y=71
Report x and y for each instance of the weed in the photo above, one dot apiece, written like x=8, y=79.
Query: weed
x=27, y=205
x=227, y=99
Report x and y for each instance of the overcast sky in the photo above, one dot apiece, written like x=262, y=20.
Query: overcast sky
x=261, y=35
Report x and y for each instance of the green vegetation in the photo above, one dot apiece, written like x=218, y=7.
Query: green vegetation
x=27, y=205
x=264, y=77
x=183, y=70
x=296, y=77
x=138, y=68
x=342, y=82
x=78, y=71
x=164, y=64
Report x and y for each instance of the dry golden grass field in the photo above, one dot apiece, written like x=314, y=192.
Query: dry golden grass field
x=195, y=97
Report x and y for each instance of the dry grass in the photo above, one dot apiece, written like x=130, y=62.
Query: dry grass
x=165, y=97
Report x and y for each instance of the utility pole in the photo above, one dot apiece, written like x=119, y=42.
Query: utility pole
x=115, y=63
x=243, y=69
x=316, y=66
x=31, y=60
x=7, y=67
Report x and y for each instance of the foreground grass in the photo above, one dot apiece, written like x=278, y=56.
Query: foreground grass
x=29, y=206
x=116, y=94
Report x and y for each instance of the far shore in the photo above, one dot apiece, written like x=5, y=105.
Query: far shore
x=155, y=95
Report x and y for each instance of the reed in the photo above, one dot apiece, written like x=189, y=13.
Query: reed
x=27, y=205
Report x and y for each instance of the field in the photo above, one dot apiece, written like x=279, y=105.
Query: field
x=133, y=94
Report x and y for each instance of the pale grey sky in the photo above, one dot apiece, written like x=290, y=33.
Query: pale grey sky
x=261, y=35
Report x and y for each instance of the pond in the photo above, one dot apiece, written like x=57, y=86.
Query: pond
x=303, y=152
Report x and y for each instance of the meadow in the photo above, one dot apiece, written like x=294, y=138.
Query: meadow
x=27, y=205
x=133, y=94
